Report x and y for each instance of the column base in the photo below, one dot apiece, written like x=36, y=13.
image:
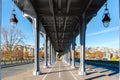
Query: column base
x=49, y=64
x=72, y=67
x=36, y=73
x=69, y=64
x=82, y=73
x=65, y=62
x=45, y=67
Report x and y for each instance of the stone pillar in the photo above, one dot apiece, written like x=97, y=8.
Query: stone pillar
x=36, y=70
x=45, y=51
x=82, y=50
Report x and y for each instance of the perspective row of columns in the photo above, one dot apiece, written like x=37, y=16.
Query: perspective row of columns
x=50, y=50
x=67, y=56
x=71, y=60
x=36, y=70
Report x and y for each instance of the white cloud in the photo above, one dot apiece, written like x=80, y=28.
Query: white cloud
x=104, y=31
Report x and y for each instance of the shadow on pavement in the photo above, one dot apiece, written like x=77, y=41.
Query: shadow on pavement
x=95, y=77
x=114, y=70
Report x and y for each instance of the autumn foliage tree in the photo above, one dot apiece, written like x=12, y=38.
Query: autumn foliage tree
x=115, y=57
x=26, y=55
x=41, y=53
x=97, y=55
x=6, y=56
x=87, y=53
x=19, y=54
x=77, y=54
x=11, y=37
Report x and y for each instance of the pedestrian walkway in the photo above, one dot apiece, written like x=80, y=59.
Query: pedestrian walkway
x=61, y=71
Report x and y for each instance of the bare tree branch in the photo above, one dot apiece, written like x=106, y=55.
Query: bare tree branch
x=11, y=37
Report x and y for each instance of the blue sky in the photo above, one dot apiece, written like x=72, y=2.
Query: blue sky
x=96, y=34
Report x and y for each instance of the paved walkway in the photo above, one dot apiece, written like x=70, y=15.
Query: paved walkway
x=61, y=71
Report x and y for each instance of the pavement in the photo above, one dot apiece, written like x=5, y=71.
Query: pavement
x=61, y=71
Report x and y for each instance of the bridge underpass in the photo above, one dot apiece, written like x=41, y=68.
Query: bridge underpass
x=59, y=21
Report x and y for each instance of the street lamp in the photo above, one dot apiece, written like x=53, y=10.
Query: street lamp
x=106, y=17
x=13, y=19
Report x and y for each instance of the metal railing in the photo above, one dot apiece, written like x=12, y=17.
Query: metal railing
x=10, y=63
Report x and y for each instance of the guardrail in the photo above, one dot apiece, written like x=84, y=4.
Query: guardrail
x=100, y=62
x=10, y=63
x=106, y=63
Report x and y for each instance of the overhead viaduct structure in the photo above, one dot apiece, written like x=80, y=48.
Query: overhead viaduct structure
x=59, y=21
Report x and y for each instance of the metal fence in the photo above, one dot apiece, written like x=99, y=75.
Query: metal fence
x=10, y=63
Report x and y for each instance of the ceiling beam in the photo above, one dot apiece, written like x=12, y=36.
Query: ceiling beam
x=53, y=14
x=59, y=4
x=66, y=18
x=86, y=7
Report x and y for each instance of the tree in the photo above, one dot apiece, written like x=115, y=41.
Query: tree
x=19, y=54
x=6, y=56
x=92, y=55
x=114, y=58
x=26, y=55
x=117, y=57
x=97, y=55
x=77, y=54
x=41, y=54
x=11, y=37
x=87, y=53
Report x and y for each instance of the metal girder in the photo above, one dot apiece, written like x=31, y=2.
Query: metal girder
x=67, y=11
x=52, y=10
x=86, y=7
x=60, y=17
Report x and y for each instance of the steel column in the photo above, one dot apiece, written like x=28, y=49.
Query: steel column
x=64, y=57
x=82, y=50
x=49, y=52
x=73, y=53
x=0, y=35
x=53, y=54
x=36, y=70
x=45, y=51
x=69, y=52
x=67, y=56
